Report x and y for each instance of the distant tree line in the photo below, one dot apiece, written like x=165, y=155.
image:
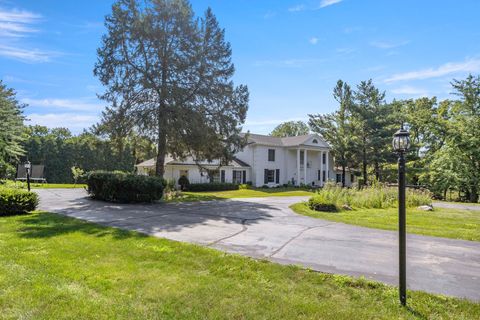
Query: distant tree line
x=445, y=135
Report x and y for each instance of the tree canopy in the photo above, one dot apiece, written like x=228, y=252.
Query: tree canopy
x=11, y=129
x=290, y=129
x=173, y=74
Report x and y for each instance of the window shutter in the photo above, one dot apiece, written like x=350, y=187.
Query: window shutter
x=222, y=177
x=265, y=176
x=244, y=176
x=233, y=176
x=277, y=176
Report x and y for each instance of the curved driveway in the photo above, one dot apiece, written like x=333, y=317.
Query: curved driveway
x=267, y=228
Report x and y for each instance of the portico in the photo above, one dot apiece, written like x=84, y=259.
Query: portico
x=312, y=166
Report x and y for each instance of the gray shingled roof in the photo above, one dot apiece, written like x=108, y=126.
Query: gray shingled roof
x=284, y=142
x=234, y=163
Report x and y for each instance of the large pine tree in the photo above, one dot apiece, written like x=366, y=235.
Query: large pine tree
x=175, y=71
x=11, y=129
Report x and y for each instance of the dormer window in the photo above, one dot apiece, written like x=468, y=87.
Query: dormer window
x=315, y=141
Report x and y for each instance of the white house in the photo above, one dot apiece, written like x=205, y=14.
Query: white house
x=266, y=160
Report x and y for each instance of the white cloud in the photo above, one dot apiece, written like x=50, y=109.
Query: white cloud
x=388, y=44
x=75, y=122
x=467, y=66
x=297, y=8
x=15, y=27
x=16, y=23
x=293, y=63
x=313, y=40
x=326, y=3
x=409, y=90
x=27, y=55
x=66, y=104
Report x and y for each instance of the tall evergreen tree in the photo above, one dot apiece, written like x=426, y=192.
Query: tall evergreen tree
x=336, y=128
x=177, y=73
x=372, y=118
x=11, y=129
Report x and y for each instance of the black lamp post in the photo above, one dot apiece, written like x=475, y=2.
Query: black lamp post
x=28, y=166
x=401, y=143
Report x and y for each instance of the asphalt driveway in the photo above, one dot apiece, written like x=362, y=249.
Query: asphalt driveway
x=267, y=228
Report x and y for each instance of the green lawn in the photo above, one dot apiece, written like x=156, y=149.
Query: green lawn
x=447, y=223
x=53, y=267
x=247, y=193
x=23, y=185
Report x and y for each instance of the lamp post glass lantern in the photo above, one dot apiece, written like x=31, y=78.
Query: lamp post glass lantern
x=28, y=166
x=401, y=143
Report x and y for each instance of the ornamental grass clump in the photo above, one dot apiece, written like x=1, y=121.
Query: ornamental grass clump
x=377, y=196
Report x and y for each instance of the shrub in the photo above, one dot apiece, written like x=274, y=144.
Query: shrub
x=377, y=196
x=17, y=201
x=244, y=186
x=318, y=203
x=124, y=187
x=212, y=186
x=184, y=183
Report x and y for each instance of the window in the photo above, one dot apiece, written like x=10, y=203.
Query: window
x=302, y=157
x=324, y=176
x=215, y=176
x=324, y=158
x=271, y=154
x=315, y=141
x=352, y=178
x=270, y=176
x=339, y=177
x=222, y=176
x=238, y=176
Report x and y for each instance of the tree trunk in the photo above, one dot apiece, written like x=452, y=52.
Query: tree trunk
x=364, y=163
x=377, y=171
x=474, y=195
x=161, y=152
x=343, y=176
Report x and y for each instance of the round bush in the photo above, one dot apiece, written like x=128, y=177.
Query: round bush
x=124, y=187
x=184, y=183
x=17, y=201
x=319, y=204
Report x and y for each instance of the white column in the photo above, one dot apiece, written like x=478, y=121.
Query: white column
x=321, y=168
x=298, y=166
x=327, y=163
x=305, y=166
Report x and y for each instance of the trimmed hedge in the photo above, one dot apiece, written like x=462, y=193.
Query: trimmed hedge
x=319, y=204
x=124, y=187
x=17, y=201
x=213, y=186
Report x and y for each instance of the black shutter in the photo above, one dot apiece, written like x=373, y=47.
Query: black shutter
x=244, y=176
x=265, y=176
x=277, y=176
x=222, y=176
x=233, y=176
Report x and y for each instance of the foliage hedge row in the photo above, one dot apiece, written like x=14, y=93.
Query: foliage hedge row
x=319, y=204
x=17, y=201
x=124, y=187
x=213, y=186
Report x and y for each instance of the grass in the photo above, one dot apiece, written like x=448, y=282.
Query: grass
x=53, y=267
x=23, y=185
x=442, y=222
x=247, y=193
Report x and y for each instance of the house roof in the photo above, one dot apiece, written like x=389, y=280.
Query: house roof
x=286, y=141
x=189, y=161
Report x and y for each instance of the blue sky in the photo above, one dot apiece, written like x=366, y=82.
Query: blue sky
x=289, y=53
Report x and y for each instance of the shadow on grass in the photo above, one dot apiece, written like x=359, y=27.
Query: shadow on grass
x=415, y=313
x=47, y=225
